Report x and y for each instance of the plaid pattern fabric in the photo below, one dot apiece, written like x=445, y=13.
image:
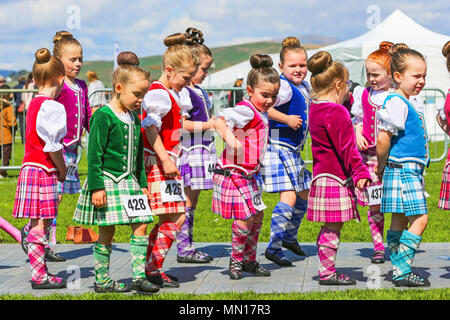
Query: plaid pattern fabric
x=393, y=241
x=36, y=194
x=330, y=201
x=70, y=155
x=138, y=251
x=154, y=172
x=403, y=190
x=113, y=212
x=36, y=254
x=409, y=244
x=376, y=225
x=370, y=160
x=283, y=169
x=184, y=244
x=239, y=237
x=327, y=247
x=166, y=235
x=102, y=257
x=281, y=217
x=193, y=170
x=444, y=196
x=232, y=196
x=252, y=243
x=300, y=208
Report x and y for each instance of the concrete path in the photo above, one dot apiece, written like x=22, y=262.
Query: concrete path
x=432, y=260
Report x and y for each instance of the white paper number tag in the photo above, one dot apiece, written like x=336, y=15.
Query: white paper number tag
x=209, y=170
x=72, y=169
x=172, y=191
x=426, y=194
x=136, y=206
x=374, y=194
x=257, y=201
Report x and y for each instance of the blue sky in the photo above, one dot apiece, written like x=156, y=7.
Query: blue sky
x=141, y=25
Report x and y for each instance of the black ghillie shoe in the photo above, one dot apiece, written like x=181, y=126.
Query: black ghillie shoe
x=143, y=285
x=278, y=258
x=255, y=268
x=294, y=247
x=50, y=255
x=235, y=269
x=412, y=280
x=162, y=280
x=337, y=279
x=118, y=287
x=378, y=257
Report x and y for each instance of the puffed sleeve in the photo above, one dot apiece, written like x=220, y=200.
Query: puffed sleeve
x=157, y=104
x=357, y=109
x=284, y=94
x=393, y=115
x=185, y=102
x=51, y=125
x=237, y=117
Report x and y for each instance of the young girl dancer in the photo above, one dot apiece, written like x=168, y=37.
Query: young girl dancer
x=443, y=120
x=162, y=122
x=198, y=155
x=337, y=164
x=236, y=194
x=115, y=170
x=366, y=102
x=402, y=154
x=43, y=166
x=283, y=169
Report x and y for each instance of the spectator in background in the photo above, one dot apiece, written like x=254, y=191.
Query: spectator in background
x=8, y=124
x=3, y=85
x=97, y=99
x=27, y=96
x=236, y=96
x=20, y=108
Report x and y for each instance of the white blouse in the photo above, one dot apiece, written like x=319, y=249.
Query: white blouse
x=51, y=125
x=377, y=97
x=157, y=104
x=285, y=92
x=240, y=115
x=185, y=101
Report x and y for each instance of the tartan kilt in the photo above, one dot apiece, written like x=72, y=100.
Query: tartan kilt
x=192, y=167
x=330, y=201
x=70, y=155
x=444, y=196
x=113, y=213
x=403, y=190
x=283, y=169
x=369, y=158
x=36, y=194
x=232, y=196
x=155, y=176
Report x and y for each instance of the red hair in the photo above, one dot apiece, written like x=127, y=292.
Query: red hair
x=382, y=56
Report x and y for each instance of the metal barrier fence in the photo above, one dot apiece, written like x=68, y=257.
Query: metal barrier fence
x=223, y=98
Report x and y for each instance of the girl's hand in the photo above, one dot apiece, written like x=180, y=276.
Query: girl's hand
x=361, y=142
x=378, y=173
x=170, y=170
x=146, y=192
x=99, y=198
x=442, y=123
x=362, y=183
x=294, y=122
x=211, y=124
x=62, y=173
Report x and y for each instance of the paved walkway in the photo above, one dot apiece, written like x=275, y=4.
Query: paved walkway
x=432, y=260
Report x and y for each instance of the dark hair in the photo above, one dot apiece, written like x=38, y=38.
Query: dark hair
x=398, y=61
x=127, y=57
x=446, y=53
x=291, y=44
x=195, y=41
x=262, y=70
x=46, y=67
x=397, y=47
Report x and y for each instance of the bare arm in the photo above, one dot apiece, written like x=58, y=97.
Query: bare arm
x=193, y=126
x=58, y=160
x=293, y=121
x=169, y=167
x=226, y=134
x=383, y=147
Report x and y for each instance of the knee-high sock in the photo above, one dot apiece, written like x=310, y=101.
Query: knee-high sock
x=102, y=255
x=138, y=251
x=252, y=242
x=393, y=241
x=409, y=244
x=327, y=246
x=281, y=217
x=36, y=254
x=239, y=237
x=151, y=241
x=297, y=216
x=184, y=238
x=167, y=233
x=376, y=224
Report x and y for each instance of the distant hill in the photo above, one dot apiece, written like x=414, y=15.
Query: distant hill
x=6, y=73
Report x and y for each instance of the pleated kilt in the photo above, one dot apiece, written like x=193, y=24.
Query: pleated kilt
x=113, y=213
x=369, y=158
x=330, y=201
x=283, y=169
x=155, y=176
x=194, y=166
x=70, y=155
x=36, y=194
x=444, y=196
x=232, y=196
x=404, y=190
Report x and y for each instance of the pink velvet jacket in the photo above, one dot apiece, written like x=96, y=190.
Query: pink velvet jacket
x=333, y=143
x=78, y=111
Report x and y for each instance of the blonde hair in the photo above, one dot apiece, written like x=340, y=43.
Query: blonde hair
x=262, y=70
x=62, y=39
x=178, y=55
x=325, y=72
x=91, y=75
x=46, y=67
x=291, y=44
x=126, y=71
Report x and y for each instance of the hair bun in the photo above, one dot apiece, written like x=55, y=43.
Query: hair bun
x=291, y=42
x=386, y=45
x=319, y=62
x=261, y=61
x=127, y=58
x=42, y=56
x=446, y=49
x=194, y=36
x=61, y=35
x=174, y=39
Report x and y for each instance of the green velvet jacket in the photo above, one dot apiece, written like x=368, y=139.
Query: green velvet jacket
x=115, y=149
